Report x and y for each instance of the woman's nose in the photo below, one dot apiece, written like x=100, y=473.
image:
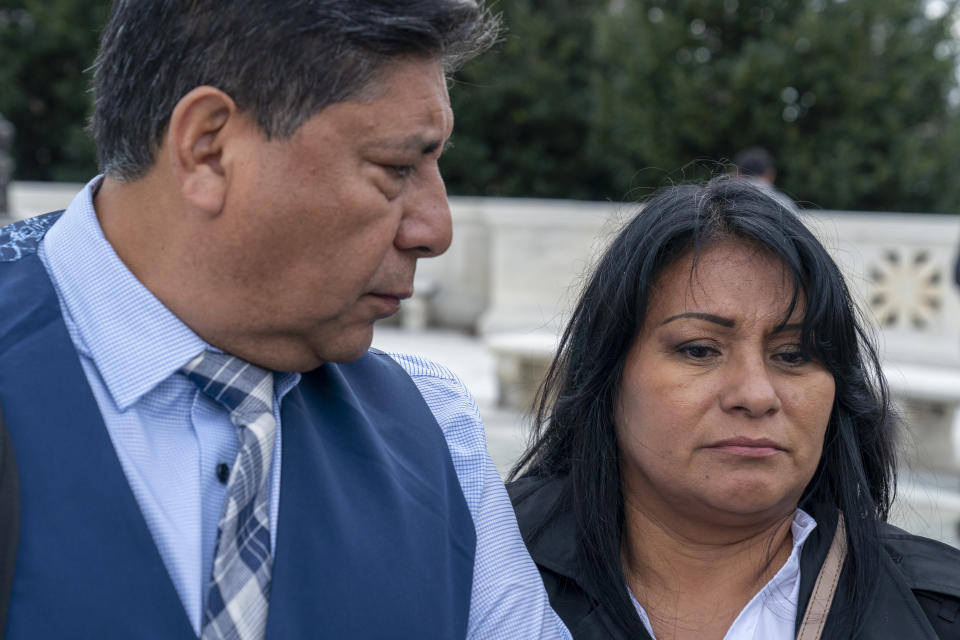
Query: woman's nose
x=749, y=387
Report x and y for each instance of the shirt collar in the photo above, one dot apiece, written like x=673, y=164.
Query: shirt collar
x=802, y=526
x=134, y=340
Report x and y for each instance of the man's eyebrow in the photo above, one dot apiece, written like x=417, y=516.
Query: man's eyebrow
x=415, y=142
x=709, y=317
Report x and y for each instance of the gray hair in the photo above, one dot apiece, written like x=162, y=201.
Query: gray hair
x=281, y=61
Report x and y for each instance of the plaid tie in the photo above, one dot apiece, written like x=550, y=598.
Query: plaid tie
x=239, y=588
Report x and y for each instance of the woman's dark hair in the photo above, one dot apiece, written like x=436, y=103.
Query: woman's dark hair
x=574, y=435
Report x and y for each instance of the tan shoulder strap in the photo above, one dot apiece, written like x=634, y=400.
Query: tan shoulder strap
x=826, y=585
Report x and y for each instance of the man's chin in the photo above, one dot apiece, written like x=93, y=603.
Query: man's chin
x=347, y=348
x=300, y=354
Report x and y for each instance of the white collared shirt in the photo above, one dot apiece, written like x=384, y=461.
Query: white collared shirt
x=771, y=614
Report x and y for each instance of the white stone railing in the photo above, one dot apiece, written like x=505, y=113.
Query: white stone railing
x=516, y=266
x=898, y=266
x=28, y=199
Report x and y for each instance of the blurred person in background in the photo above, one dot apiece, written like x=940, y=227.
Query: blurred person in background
x=757, y=166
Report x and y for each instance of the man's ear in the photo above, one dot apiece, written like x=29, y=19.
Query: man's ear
x=198, y=131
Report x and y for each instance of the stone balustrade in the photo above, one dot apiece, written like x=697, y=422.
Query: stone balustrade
x=28, y=199
x=516, y=266
x=898, y=266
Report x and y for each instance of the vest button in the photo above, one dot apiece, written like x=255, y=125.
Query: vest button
x=223, y=472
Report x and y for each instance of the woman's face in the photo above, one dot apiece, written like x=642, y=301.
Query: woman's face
x=721, y=416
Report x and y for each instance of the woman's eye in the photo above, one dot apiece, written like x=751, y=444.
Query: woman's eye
x=697, y=351
x=793, y=357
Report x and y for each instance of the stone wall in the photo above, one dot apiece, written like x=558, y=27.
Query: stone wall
x=516, y=266
x=28, y=199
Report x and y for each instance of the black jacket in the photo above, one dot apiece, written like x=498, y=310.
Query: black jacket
x=917, y=597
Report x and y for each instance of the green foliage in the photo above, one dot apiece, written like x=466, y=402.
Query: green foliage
x=45, y=46
x=611, y=100
x=523, y=112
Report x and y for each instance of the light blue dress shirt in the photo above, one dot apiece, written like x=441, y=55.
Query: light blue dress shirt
x=170, y=437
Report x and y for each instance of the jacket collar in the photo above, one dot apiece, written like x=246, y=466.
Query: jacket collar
x=892, y=612
x=551, y=537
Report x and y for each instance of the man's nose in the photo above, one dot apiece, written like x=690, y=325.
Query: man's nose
x=426, y=227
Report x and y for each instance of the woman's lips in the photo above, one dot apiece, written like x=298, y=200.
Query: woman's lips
x=747, y=447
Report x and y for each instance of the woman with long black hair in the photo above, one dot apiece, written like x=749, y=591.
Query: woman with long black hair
x=714, y=453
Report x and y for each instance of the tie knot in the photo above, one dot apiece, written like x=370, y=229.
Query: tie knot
x=244, y=389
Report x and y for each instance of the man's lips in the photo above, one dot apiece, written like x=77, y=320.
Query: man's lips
x=390, y=299
x=392, y=295
x=747, y=447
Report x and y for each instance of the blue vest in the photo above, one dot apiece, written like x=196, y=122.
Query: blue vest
x=374, y=538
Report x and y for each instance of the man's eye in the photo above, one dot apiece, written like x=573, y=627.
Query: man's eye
x=400, y=170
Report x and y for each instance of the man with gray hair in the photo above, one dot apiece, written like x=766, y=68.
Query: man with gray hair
x=206, y=445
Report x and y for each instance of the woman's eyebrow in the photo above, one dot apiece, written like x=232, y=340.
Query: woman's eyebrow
x=709, y=317
x=795, y=326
